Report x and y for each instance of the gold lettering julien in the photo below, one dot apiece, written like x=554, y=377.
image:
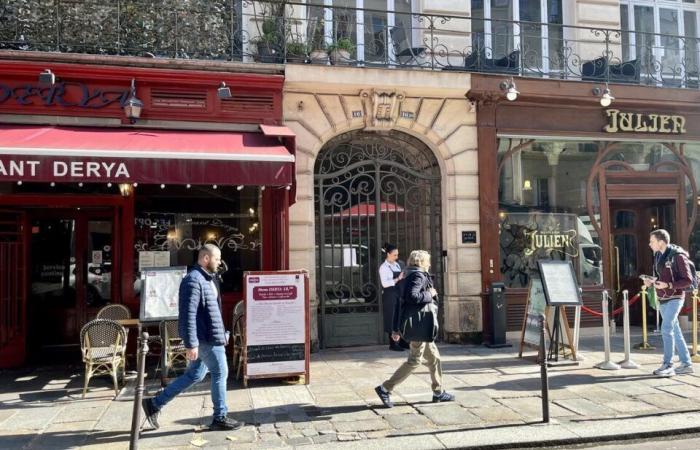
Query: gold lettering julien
x=619, y=121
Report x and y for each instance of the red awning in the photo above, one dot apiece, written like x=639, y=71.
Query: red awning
x=46, y=153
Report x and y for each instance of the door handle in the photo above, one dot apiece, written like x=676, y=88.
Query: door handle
x=617, y=267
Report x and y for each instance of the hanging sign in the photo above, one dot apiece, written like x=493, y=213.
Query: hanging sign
x=277, y=325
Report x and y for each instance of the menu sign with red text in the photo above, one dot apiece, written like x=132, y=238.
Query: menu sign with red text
x=275, y=323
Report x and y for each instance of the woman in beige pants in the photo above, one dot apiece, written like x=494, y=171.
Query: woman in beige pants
x=417, y=292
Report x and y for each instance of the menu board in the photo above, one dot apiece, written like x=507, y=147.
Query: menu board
x=277, y=323
x=160, y=293
x=559, y=282
x=536, y=307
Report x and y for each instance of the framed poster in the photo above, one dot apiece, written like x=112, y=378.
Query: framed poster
x=559, y=281
x=277, y=324
x=159, y=293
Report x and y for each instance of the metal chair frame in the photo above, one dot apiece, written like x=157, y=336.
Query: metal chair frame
x=173, y=353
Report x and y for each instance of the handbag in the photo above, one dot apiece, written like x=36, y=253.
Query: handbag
x=421, y=324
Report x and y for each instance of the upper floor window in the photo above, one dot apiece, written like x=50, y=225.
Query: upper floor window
x=514, y=29
x=661, y=37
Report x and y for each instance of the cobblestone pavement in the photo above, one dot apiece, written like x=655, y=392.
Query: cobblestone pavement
x=497, y=403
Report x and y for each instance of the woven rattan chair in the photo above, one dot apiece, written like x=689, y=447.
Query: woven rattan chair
x=114, y=312
x=174, y=353
x=103, y=344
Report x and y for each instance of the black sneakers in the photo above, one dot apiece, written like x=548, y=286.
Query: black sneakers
x=443, y=397
x=384, y=396
x=224, y=423
x=151, y=412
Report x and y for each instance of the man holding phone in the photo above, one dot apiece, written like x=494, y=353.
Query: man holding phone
x=673, y=277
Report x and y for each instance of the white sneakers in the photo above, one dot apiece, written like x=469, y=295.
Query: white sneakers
x=667, y=370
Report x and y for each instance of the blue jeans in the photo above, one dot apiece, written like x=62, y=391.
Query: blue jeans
x=210, y=359
x=671, y=331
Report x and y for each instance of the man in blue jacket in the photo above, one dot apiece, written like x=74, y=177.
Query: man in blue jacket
x=202, y=330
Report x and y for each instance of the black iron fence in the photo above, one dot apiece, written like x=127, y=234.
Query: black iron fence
x=293, y=32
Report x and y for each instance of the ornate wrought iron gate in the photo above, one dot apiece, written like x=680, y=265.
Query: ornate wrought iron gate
x=370, y=189
x=12, y=289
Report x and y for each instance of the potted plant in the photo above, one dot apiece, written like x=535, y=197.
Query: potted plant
x=340, y=51
x=296, y=52
x=317, y=41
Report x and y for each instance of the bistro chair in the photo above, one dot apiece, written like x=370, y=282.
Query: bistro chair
x=103, y=345
x=238, y=339
x=114, y=312
x=173, y=351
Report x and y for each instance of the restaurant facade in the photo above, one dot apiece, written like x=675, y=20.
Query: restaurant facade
x=107, y=169
x=563, y=177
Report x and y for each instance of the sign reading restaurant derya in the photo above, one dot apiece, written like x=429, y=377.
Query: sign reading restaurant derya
x=629, y=122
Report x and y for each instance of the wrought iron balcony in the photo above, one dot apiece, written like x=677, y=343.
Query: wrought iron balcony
x=291, y=32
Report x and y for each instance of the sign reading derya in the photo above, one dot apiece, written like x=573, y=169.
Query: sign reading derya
x=12, y=167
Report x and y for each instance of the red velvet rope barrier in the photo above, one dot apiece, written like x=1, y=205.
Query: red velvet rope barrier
x=633, y=300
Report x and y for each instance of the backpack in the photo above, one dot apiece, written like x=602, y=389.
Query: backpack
x=693, y=273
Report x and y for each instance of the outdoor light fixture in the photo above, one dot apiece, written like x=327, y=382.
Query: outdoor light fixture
x=162, y=186
x=240, y=187
x=47, y=77
x=288, y=188
x=125, y=189
x=133, y=106
x=262, y=188
x=215, y=186
x=223, y=91
x=606, y=99
x=109, y=185
x=188, y=186
x=527, y=185
x=509, y=87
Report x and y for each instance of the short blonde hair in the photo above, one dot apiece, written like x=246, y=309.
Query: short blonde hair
x=419, y=258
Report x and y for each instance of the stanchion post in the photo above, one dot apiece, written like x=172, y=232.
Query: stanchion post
x=607, y=364
x=138, y=395
x=695, y=357
x=644, y=345
x=543, y=371
x=627, y=363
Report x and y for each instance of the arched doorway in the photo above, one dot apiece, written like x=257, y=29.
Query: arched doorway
x=369, y=189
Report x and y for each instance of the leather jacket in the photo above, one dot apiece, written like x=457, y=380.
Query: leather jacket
x=672, y=267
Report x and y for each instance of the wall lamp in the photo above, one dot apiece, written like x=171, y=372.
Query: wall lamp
x=509, y=87
x=606, y=98
x=223, y=91
x=126, y=189
x=133, y=106
x=47, y=77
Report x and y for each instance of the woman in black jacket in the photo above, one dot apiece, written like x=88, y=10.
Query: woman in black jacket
x=416, y=319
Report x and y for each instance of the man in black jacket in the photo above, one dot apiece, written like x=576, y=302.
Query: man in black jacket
x=202, y=330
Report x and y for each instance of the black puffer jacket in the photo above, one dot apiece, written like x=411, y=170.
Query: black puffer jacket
x=200, y=310
x=414, y=293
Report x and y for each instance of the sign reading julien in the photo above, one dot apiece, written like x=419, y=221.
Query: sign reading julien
x=552, y=240
x=628, y=122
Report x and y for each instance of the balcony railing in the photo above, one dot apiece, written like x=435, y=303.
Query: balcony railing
x=292, y=32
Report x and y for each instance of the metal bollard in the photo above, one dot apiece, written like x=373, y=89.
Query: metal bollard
x=627, y=363
x=644, y=345
x=577, y=333
x=657, y=330
x=138, y=396
x=695, y=357
x=543, y=371
x=607, y=364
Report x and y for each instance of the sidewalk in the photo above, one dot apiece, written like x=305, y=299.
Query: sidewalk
x=498, y=405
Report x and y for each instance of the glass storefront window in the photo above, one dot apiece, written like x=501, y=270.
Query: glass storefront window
x=543, y=210
x=170, y=229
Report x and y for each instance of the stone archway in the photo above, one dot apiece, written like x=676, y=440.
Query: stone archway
x=370, y=188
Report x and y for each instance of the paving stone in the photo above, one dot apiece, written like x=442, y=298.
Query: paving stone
x=631, y=406
x=267, y=428
x=270, y=437
x=449, y=414
x=585, y=407
x=6, y=414
x=32, y=418
x=302, y=440
x=353, y=415
x=602, y=395
x=325, y=438
x=309, y=432
x=409, y=422
x=399, y=409
x=682, y=390
x=344, y=437
x=496, y=414
x=291, y=434
x=669, y=401
x=284, y=426
x=531, y=408
x=361, y=425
